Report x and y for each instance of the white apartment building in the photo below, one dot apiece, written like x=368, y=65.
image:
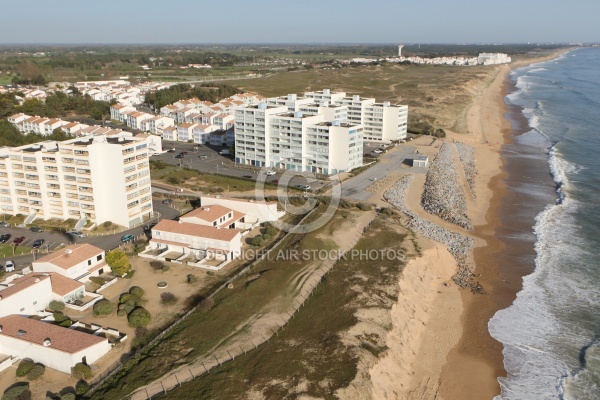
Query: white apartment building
x=100, y=178
x=493, y=58
x=271, y=136
x=384, y=122
x=201, y=133
x=291, y=101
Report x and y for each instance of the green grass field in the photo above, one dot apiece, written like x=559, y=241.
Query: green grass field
x=6, y=250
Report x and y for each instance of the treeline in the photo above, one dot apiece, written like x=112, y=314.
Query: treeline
x=10, y=136
x=206, y=92
x=56, y=105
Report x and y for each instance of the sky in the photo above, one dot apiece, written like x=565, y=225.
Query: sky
x=305, y=21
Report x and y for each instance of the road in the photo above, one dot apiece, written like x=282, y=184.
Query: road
x=356, y=188
x=53, y=240
x=207, y=159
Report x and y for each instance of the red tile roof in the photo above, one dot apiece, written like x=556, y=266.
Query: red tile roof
x=36, y=332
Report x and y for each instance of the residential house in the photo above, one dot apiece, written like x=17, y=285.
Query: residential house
x=77, y=261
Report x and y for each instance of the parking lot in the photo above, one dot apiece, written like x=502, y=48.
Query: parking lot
x=207, y=159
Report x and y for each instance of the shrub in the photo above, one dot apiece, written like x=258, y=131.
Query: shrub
x=81, y=387
x=121, y=313
x=191, y=278
x=137, y=291
x=107, y=224
x=103, y=307
x=59, y=317
x=168, y=298
x=363, y=206
x=97, y=280
x=68, y=396
x=117, y=260
x=81, y=371
x=271, y=229
x=36, y=372
x=156, y=265
x=258, y=241
x=173, y=180
x=56, y=305
x=66, y=323
x=19, y=392
x=24, y=367
x=139, y=317
x=165, y=268
x=266, y=236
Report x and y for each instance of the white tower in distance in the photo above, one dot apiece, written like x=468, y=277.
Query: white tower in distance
x=400, y=46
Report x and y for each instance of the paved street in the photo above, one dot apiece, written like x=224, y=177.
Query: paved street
x=54, y=240
x=356, y=188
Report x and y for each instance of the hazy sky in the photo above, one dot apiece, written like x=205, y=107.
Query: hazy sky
x=314, y=21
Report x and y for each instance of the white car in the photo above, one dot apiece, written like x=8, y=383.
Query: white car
x=76, y=234
x=378, y=151
x=9, y=266
x=303, y=187
x=270, y=173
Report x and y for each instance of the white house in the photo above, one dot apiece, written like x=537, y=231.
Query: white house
x=54, y=346
x=215, y=215
x=183, y=238
x=218, y=138
x=201, y=132
x=31, y=293
x=77, y=261
x=255, y=210
x=170, y=133
x=184, y=132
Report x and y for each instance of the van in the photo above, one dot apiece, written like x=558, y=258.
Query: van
x=9, y=266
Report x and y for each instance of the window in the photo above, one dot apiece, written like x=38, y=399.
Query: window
x=99, y=257
x=35, y=302
x=22, y=309
x=89, y=262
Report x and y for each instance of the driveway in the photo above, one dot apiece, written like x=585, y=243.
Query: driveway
x=356, y=188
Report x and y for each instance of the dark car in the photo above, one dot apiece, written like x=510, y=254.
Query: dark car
x=171, y=150
x=36, y=229
x=4, y=238
x=179, y=156
x=167, y=201
x=38, y=243
x=19, y=239
x=185, y=153
x=248, y=176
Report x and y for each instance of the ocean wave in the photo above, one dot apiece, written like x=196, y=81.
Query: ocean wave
x=537, y=70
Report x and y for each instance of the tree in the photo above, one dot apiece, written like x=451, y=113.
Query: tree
x=137, y=291
x=18, y=392
x=24, y=367
x=81, y=387
x=56, y=305
x=103, y=307
x=139, y=317
x=36, y=372
x=117, y=260
x=258, y=241
x=81, y=371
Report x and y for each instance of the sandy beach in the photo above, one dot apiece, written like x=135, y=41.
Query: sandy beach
x=445, y=351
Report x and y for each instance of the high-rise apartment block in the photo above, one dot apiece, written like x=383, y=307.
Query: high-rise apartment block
x=98, y=177
x=382, y=122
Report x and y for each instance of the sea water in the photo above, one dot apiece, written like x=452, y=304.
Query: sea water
x=551, y=332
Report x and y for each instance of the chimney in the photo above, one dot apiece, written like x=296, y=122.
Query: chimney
x=47, y=342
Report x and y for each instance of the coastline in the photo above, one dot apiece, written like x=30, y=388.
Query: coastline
x=475, y=363
x=439, y=344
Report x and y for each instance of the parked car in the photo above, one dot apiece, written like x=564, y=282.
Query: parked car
x=38, y=243
x=76, y=234
x=4, y=224
x=19, y=239
x=4, y=238
x=167, y=201
x=185, y=153
x=378, y=151
x=156, y=153
x=9, y=266
x=270, y=173
x=303, y=187
x=179, y=156
x=171, y=150
x=36, y=229
x=248, y=176
x=224, y=152
x=127, y=238
x=275, y=181
x=203, y=156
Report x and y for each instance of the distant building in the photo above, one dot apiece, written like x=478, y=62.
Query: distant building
x=493, y=58
x=77, y=261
